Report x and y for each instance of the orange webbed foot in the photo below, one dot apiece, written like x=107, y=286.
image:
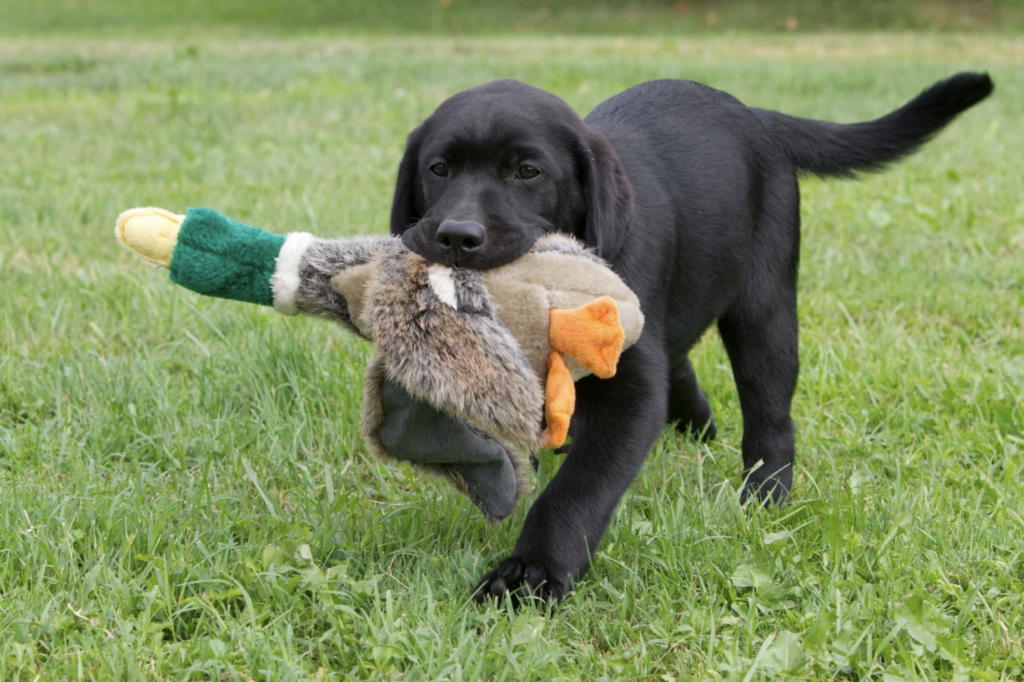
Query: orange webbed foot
x=559, y=402
x=591, y=333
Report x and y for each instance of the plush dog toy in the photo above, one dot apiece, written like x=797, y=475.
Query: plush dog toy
x=455, y=382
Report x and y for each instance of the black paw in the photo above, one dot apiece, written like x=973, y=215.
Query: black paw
x=523, y=579
x=768, y=488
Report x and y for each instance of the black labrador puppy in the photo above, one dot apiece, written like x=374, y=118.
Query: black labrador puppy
x=693, y=199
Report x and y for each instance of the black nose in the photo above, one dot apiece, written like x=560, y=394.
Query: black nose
x=459, y=237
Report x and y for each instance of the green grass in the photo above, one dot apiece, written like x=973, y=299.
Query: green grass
x=183, y=494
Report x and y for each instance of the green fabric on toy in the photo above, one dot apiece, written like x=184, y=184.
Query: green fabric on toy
x=222, y=257
x=455, y=383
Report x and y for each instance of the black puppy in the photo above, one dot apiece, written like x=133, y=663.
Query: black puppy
x=693, y=199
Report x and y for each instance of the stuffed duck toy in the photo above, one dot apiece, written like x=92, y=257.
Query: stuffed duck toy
x=471, y=370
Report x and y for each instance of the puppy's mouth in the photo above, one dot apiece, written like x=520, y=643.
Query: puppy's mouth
x=493, y=253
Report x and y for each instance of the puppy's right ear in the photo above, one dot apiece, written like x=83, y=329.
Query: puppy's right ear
x=407, y=205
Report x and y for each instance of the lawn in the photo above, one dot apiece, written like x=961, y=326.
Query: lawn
x=183, y=492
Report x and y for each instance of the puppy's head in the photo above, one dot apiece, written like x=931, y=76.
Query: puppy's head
x=500, y=165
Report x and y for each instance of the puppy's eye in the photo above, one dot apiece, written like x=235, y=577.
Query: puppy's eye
x=527, y=172
x=440, y=170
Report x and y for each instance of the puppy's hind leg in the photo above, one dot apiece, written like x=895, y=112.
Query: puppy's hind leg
x=688, y=405
x=760, y=332
x=762, y=346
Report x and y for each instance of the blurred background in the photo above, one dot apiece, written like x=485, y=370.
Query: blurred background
x=460, y=17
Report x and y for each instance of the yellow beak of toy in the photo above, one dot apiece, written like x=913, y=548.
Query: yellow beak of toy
x=149, y=233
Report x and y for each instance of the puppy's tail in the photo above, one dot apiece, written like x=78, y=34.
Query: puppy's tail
x=834, y=149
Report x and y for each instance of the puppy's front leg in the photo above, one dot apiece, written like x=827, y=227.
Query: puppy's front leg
x=620, y=418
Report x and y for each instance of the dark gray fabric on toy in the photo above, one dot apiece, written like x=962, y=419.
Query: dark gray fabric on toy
x=479, y=467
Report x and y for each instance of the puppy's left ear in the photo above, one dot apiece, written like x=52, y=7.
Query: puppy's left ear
x=406, y=206
x=607, y=192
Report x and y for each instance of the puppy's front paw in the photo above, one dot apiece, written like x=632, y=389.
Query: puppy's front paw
x=523, y=578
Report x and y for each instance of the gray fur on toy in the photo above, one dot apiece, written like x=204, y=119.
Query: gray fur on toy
x=454, y=385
